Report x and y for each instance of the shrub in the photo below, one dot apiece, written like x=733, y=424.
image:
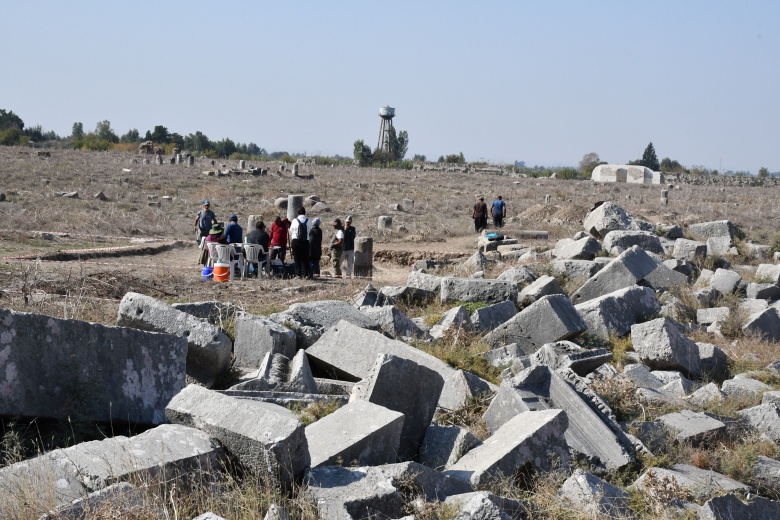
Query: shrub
x=567, y=173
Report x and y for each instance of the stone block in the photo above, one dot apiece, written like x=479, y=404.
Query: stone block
x=585, y=248
x=662, y=277
x=763, y=419
x=549, y=319
x=257, y=336
x=708, y=316
x=719, y=246
x=474, y=290
x=693, y=427
x=624, y=271
x=542, y=286
x=771, y=397
x=518, y=275
x=122, y=499
x=641, y=376
x=700, y=483
x=504, y=355
x=591, y=495
x=208, y=348
x=407, y=387
x=707, y=395
x=427, y=282
x=350, y=352
x=730, y=507
x=725, y=281
x=717, y=228
x=215, y=312
x=462, y=386
x=442, y=446
x=407, y=294
x=310, y=320
x=394, y=322
x=52, y=367
x=575, y=269
x=605, y=218
x=763, y=291
x=565, y=354
x=266, y=438
x=765, y=323
x=766, y=475
x=689, y=250
x=377, y=491
x=744, y=388
x=768, y=273
x=487, y=506
x=456, y=318
x=713, y=362
x=616, y=312
x=661, y=345
x=490, y=317
x=620, y=240
x=370, y=297
x=360, y=432
x=530, y=439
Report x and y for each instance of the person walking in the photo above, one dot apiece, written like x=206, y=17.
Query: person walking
x=315, y=247
x=299, y=233
x=498, y=212
x=205, y=219
x=479, y=214
x=337, y=247
x=349, y=246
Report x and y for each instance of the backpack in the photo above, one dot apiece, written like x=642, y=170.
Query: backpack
x=302, y=230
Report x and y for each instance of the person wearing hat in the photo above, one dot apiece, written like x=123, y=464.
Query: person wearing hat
x=337, y=247
x=349, y=246
x=234, y=234
x=479, y=214
x=315, y=247
x=205, y=219
x=216, y=234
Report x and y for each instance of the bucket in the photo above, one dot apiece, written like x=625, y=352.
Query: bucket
x=207, y=272
x=221, y=272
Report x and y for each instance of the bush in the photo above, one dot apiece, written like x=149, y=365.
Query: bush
x=568, y=173
x=13, y=137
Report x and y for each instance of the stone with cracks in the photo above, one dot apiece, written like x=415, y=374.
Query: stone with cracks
x=591, y=495
x=519, y=275
x=266, y=438
x=532, y=440
x=208, y=348
x=565, y=354
x=717, y=228
x=701, y=483
x=257, y=336
x=585, y=248
x=443, y=445
x=689, y=250
x=407, y=294
x=503, y=355
x=725, y=281
x=310, y=320
x=490, y=317
x=407, y=387
x=350, y=352
x=592, y=430
x=575, y=269
x=394, y=322
x=460, y=387
x=605, y=218
x=378, y=491
x=693, y=427
x=359, y=433
x=730, y=507
x=455, y=318
x=661, y=345
x=624, y=271
x=48, y=366
x=475, y=290
x=542, y=286
x=217, y=313
x=620, y=240
x=766, y=323
x=56, y=478
x=763, y=419
x=618, y=311
x=549, y=319
x=427, y=282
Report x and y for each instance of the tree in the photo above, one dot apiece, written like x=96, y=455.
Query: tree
x=104, y=132
x=78, y=131
x=588, y=162
x=401, y=145
x=10, y=120
x=650, y=159
x=361, y=152
x=763, y=172
x=419, y=158
x=160, y=135
x=197, y=142
x=225, y=147
x=132, y=136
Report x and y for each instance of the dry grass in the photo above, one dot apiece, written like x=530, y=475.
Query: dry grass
x=463, y=350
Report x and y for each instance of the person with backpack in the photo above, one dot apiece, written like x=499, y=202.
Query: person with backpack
x=349, y=246
x=299, y=234
x=315, y=247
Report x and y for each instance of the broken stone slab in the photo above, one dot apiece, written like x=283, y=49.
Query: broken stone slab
x=700, y=483
x=456, y=318
x=605, y=218
x=487, y=506
x=370, y=297
x=209, y=349
x=394, y=322
x=442, y=446
x=768, y=273
x=123, y=499
x=549, y=319
x=592, y=430
x=359, y=433
x=744, y=388
x=462, y=386
x=593, y=496
x=641, y=376
x=693, y=427
x=518, y=275
x=717, y=228
x=725, y=281
x=712, y=315
x=49, y=366
x=626, y=270
x=475, y=262
x=532, y=439
x=713, y=362
x=766, y=323
x=771, y=397
x=616, y=312
x=542, y=286
x=662, y=277
x=377, y=491
x=763, y=291
x=661, y=345
x=707, y=395
x=488, y=318
x=689, y=250
x=310, y=320
x=615, y=242
x=57, y=478
x=257, y=336
x=350, y=352
x=504, y=355
x=279, y=373
x=407, y=387
x=266, y=438
x=729, y=507
x=575, y=269
x=215, y=312
x=424, y=281
x=585, y=248
x=766, y=475
x=565, y=354
x=407, y=294
x=286, y=399
x=764, y=420
x=475, y=290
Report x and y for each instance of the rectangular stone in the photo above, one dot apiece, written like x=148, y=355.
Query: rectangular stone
x=477, y=290
x=256, y=336
x=616, y=312
x=624, y=271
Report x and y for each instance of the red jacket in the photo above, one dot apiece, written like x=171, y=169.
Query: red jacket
x=279, y=233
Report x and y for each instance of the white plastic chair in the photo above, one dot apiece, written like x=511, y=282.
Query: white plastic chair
x=227, y=254
x=212, y=251
x=254, y=254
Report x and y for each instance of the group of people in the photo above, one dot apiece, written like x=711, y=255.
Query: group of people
x=480, y=213
x=303, y=235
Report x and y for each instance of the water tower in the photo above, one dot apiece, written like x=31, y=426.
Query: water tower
x=387, y=114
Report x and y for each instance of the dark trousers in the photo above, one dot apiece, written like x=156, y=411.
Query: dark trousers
x=300, y=251
x=498, y=220
x=480, y=223
x=279, y=253
x=314, y=266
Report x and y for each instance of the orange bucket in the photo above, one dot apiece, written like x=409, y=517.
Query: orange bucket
x=221, y=272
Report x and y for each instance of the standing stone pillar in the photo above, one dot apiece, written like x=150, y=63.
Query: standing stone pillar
x=250, y=223
x=665, y=197
x=158, y=159
x=293, y=203
x=241, y=164
x=547, y=198
x=190, y=161
x=178, y=158
x=364, y=256
x=295, y=169
x=384, y=222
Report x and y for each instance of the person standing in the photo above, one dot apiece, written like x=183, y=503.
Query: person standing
x=279, y=229
x=498, y=212
x=315, y=247
x=299, y=233
x=349, y=246
x=479, y=214
x=337, y=247
x=205, y=219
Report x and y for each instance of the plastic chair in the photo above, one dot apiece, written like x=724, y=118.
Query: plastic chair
x=227, y=254
x=212, y=251
x=254, y=254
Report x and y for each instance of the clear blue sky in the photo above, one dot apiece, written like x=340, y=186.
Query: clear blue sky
x=539, y=81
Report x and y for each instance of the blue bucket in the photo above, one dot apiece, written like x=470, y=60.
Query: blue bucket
x=207, y=273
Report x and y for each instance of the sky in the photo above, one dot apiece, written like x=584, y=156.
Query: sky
x=543, y=82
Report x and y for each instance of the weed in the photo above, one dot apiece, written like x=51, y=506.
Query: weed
x=468, y=416
x=315, y=411
x=465, y=351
